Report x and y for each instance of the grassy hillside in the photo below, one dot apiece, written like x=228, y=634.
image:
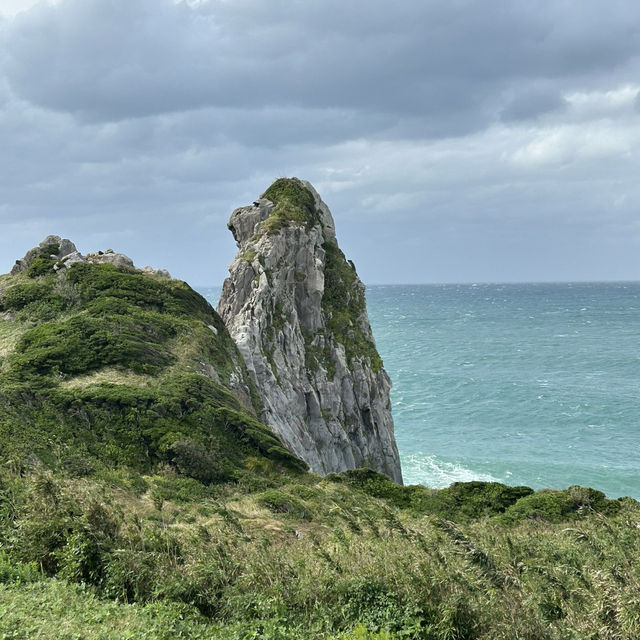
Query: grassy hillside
x=103, y=367
x=123, y=555
x=141, y=498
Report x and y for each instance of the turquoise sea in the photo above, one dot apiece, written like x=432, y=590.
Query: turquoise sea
x=534, y=384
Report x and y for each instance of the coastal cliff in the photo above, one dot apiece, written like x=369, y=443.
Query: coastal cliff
x=296, y=309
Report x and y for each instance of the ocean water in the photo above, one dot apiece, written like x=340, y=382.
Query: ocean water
x=534, y=384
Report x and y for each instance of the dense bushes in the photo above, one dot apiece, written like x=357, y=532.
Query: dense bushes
x=188, y=421
x=464, y=501
x=82, y=344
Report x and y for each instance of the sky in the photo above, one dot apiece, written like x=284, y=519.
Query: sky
x=457, y=141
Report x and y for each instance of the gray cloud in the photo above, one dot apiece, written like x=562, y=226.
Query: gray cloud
x=112, y=61
x=531, y=102
x=463, y=140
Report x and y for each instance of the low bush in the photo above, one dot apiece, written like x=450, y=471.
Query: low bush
x=558, y=506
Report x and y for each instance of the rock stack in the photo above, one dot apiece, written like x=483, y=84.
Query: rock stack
x=296, y=309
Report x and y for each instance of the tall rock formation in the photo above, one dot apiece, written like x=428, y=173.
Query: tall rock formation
x=296, y=309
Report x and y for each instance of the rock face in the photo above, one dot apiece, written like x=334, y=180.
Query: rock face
x=296, y=309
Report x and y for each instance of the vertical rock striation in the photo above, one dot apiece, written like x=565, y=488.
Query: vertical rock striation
x=296, y=309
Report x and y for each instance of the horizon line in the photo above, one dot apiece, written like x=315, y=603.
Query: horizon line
x=470, y=283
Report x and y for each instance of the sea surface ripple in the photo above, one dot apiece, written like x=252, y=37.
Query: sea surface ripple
x=533, y=384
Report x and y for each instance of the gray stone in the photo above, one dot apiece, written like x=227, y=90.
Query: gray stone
x=68, y=255
x=334, y=413
x=162, y=273
x=109, y=257
x=65, y=248
x=73, y=258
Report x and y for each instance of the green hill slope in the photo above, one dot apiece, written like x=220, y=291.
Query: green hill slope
x=103, y=366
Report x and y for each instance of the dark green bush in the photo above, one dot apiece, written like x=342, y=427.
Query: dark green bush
x=172, y=297
x=474, y=499
x=40, y=267
x=194, y=460
x=43, y=263
x=556, y=506
x=12, y=570
x=375, y=484
x=83, y=344
x=379, y=607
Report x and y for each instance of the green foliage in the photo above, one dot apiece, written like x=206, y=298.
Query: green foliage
x=206, y=562
x=14, y=571
x=100, y=318
x=35, y=300
x=44, y=262
x=185, y=420
x=40, y=266
x=376, y=485
x=171, y=297
x=194, y=461
x=344, y=304
x=465, y=501
x=136, y=341
x=294, y=205
x=469, y=499
x=558, y=506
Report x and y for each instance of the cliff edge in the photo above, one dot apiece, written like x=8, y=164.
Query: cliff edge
x=296, y=309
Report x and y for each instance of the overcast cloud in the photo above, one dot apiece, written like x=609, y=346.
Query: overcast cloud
x=467, y=140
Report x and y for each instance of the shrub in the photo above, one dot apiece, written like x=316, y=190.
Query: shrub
x=11, y=570
x=463, y=501
x=556, y=506
x=194, y=460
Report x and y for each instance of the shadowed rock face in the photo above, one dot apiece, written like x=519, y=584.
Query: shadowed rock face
x=296, y=309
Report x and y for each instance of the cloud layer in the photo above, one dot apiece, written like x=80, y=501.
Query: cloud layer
x=453, y=141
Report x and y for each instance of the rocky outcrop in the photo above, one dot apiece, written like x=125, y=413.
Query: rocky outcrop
x=51, y=247
x=296, y=309
x=65, y=254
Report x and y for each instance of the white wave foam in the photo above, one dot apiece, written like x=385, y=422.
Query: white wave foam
x=429, y=470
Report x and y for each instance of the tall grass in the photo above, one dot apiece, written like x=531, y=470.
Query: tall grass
x=312, y=559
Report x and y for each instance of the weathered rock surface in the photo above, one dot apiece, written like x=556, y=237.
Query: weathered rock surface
x=296, y=309
x=51, y=246
x=65, y=253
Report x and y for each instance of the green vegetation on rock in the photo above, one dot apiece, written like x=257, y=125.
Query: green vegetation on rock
x=294, y=205
x=344, y=304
